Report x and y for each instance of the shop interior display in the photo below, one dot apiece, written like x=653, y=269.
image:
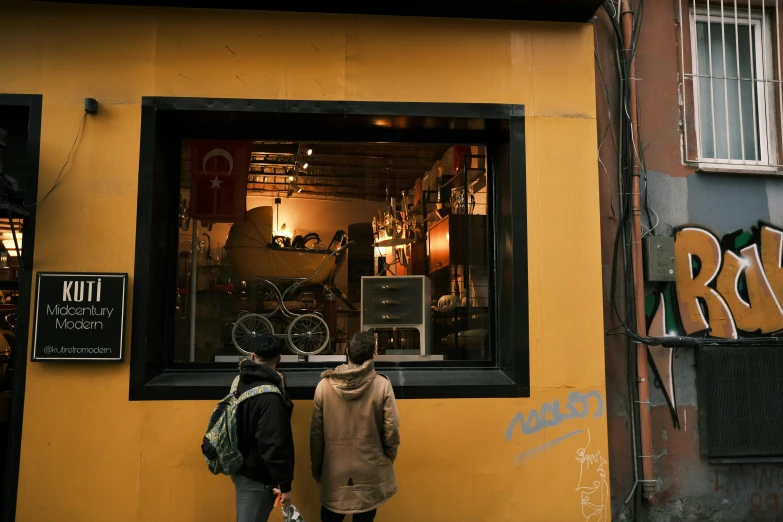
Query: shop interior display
x=416, y=214
x=11, y=222
x=12, y=215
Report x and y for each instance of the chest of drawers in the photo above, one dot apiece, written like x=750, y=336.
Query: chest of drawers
x=398, y=302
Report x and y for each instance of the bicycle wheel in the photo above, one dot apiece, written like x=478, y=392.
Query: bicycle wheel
x=248, y=330
x=308, y=335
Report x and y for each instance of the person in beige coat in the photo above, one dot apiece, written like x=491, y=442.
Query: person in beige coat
x=354, y=436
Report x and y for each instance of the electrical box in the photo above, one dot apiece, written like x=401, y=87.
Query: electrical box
x=659, y=259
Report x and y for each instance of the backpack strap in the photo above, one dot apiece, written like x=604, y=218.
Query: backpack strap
x=258, y=390
x=234, y=385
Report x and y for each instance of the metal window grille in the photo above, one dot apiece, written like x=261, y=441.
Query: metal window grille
x=729, y=83
x=740, y=401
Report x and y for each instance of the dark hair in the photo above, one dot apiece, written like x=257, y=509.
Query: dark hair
x=267, y=347
x=361, y=347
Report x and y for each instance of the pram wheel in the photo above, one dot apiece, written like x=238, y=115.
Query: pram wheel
x=248, y=330
x=308, y=335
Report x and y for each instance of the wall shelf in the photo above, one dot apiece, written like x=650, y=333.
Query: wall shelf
x=14, y=210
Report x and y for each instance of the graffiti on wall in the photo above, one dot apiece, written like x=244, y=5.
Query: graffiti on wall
x=725, y=288
x=762, y=484
x=552, y=414
x=593, y=486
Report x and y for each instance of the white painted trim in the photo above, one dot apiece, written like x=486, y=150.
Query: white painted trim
x=734, y=168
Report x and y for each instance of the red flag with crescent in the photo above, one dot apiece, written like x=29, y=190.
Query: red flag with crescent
x=459, y=158
x=218, y=183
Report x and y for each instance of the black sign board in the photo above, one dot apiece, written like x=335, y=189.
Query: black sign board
x=79, y=317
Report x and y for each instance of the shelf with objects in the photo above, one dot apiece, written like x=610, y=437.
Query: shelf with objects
x=458, y=261
x=454, y=251
x=11, y=223
x=297, y=245
x=13, y=216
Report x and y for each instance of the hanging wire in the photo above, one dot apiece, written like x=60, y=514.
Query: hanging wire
x=67, y=160
x=609, y=126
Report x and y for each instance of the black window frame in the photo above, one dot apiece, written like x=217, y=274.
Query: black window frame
x=569, y=11
x=154, y=376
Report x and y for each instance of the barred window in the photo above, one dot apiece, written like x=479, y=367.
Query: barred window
x=730, y=85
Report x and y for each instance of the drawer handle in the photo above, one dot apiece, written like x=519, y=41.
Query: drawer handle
x=389, y=302
x=390, y=317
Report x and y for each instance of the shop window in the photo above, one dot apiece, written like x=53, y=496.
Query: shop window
x=730, y=89
x=316, y=241
x=314, y=225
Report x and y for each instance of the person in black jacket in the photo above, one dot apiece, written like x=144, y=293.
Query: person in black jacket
x=264, y=433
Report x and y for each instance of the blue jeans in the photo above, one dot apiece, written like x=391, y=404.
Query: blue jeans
x=255, y=500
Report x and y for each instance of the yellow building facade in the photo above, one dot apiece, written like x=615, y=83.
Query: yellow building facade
x=90, y=454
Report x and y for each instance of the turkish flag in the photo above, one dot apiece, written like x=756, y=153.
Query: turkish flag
x=218, y=182
x=459, y=158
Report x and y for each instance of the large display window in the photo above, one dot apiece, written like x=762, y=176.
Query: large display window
x=315, y=241
x=312, y=221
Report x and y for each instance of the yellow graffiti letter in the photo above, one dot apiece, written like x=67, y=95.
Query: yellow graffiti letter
x=771, y=257
x=698, y=243
x=763, y=312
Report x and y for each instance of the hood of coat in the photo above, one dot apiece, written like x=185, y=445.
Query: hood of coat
x=350, y=381
x=253, y=374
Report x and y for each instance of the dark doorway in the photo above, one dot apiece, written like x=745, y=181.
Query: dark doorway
x=20, y=121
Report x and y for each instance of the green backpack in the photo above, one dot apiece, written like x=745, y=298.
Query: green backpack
x=220, y=446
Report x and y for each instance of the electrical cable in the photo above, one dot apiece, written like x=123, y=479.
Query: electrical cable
x=609, y=125
x=67, y=160
x=625, y=171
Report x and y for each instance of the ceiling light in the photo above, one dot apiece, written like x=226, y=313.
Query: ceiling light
x=296, y=187
x=290, y=178
x=309, y=152
x=10, y=247
x=305, y=165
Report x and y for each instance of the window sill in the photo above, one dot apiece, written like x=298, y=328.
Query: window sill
x=418, y=384
x=719, y=461
x=750, y=170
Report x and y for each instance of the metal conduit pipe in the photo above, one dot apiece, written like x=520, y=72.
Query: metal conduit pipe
x=645, y=424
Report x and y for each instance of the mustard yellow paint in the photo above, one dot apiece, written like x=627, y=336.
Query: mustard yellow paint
x=88, y=454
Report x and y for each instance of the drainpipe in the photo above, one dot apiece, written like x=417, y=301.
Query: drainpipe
x=645, y=424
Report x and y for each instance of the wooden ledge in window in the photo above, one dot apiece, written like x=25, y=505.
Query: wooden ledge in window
x=336, y=358
x=408, y=383
x=748, y=170
x=744, y=460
